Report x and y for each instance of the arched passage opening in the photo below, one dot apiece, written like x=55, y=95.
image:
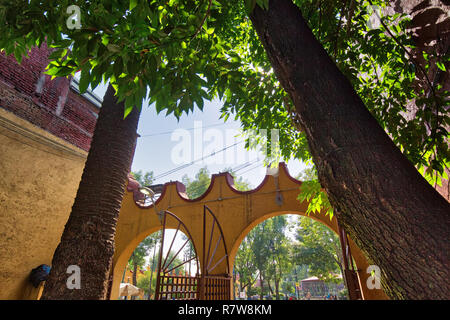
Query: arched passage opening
x=289, y=256
x=169, y=252
x=360, y=263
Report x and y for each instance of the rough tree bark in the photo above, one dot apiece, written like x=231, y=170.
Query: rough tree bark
x=398, y=220
x=88, y=237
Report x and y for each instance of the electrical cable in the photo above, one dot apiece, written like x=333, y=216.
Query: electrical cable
x=250, y=169
x=167, y=132
x=195, y=161
x=245, y=165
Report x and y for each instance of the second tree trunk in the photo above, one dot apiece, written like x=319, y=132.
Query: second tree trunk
x=397, y=219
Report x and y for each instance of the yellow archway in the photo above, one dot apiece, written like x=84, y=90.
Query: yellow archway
x=238, y=212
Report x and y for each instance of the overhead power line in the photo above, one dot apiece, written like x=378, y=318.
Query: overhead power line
x=246, y=165
x=243, y=166
x=195, y=161
x=250, y=169
x=238, y=167
x=169, y=132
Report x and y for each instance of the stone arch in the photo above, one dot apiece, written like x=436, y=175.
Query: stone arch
x=237, y=211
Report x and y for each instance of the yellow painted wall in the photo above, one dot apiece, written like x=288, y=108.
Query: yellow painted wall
x=39, y=178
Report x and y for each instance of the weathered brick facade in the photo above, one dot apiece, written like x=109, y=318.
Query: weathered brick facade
x=53, y=105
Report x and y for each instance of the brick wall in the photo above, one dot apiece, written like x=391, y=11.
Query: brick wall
x=49, y=104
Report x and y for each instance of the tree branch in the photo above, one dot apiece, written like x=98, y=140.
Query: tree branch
x=203, y=20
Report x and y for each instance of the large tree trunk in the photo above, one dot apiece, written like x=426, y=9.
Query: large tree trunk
x=399, y=221
x=88, y=237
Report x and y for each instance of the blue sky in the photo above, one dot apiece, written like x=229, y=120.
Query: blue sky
x=156, y=144
x=154, y=147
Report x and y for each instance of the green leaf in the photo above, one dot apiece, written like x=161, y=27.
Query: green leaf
x=57, y=54
x=118, y=67
x=250, y=5
x=133, y=4
x=263, y=4
x=85, y=79
x=441, y=66
x=128, y=106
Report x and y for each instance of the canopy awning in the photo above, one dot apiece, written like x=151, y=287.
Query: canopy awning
x=127, y=289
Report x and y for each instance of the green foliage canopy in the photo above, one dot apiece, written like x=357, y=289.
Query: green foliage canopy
x=319, y=248
x=178, y=53
x=143, y=250
x=144, y=178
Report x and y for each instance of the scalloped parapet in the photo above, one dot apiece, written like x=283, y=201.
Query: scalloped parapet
x=134, y=186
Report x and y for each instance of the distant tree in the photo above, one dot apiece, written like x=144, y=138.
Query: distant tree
x=239, y=182
x=294, y=276
x=267, y=243
x=244, y=265
x=189, y=252
x=137, y=259
x=150, y=275
x=279, y=252
x=196, y=187
x=265, y=255
x=153, y=264
x=308, y=174
x=259, y=240
x=319, y=248
x=144, y=282
x=144, y=178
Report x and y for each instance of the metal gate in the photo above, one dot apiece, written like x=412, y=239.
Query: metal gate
x=204, y=284
x=169, y=285
x=214, y=286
